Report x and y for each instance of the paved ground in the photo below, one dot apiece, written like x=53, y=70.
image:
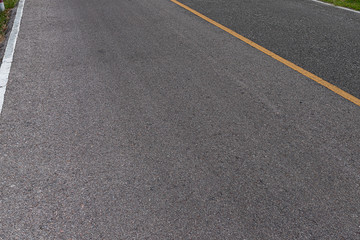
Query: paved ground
x=322, y=39
x=138, y=120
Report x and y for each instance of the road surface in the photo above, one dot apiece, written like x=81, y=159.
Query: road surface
x=321, y=39
x=138, y=120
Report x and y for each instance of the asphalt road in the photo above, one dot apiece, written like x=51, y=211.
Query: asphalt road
x=138, y=120
x=321, y=39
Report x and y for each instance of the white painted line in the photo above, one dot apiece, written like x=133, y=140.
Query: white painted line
x=348, y=9
x=324, y=3
x=332, y=5
x=2, y=94
x=9, y=52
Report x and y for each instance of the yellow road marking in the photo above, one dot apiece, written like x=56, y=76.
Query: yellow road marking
x=317, y=79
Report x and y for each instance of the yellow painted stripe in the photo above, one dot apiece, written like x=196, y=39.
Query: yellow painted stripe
x=317, y=79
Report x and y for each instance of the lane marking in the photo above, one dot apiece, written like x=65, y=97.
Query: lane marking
x=332, y=5
x=9, y=52
x=308, y=74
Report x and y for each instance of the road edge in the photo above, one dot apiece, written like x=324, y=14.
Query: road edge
x=9, y=52
x=336, y=6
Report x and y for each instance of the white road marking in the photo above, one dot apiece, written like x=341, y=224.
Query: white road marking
x=2, y=93
x=9, y=52
x=348, y=9
x=332, y=5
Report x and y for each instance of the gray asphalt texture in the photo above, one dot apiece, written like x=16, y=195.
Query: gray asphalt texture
x=321, y=39
x=138, y=120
